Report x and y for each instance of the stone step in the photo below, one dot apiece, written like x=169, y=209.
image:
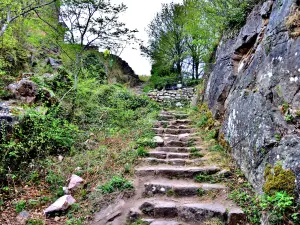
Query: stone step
x=160, y=222
x=181, y=137
x=178, y=127
x=165, y=115
x=176, y=171
x=177, y=149
x=174, y=143
x=179, y=188
x=169, y=155
x=173, y=131
x=163, y=123
x=175, y=162
x=192, y=213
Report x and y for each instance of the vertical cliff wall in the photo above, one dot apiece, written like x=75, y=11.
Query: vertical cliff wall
x=254, y=90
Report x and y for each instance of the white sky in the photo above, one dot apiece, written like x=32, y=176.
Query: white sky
x=138, y=15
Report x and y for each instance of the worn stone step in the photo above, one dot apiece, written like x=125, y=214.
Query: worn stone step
x=175, y=143
x=178, y=127
x=165, y=123
x=175, y=171
x=193, y=213
x=181, y=137
x=169, y=155
x=179, y=188
x=177, y=149
x=166, y=117
x=160, y=222
x=173, y=131
x=173, y=115
x=175, y=162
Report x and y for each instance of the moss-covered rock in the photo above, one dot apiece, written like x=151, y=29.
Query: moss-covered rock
x=278, y=179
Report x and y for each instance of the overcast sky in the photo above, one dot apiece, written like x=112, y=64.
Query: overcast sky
x=138, y=15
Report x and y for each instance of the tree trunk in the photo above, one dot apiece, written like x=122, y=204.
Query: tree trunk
x=76, y=74
x=179, y=69
x=197, y=70
x=193, y=73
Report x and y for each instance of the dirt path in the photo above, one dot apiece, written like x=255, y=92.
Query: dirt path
x=166, y=193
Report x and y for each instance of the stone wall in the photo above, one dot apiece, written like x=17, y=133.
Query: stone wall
x=173, y=96
x=254, y=90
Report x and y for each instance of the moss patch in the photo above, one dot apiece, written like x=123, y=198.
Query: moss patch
x=293, y=21
x=278, y=179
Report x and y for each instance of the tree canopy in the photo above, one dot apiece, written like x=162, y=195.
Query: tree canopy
x=182, y=37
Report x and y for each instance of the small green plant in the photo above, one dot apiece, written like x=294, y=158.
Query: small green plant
x=203, y=178
x=139, y=222
x=211, y=135
x=20, y=206
x=127, y=168
x=170, y=192
x=278, y=137
x=74, y=221
x=249, y=204
x=195, y=153
x=35, y=222
x=216, y=148
x=203, y=121
x=285, y=108
x=117, y=183
x=200, y=192
x=289, y=118
x=142, y=152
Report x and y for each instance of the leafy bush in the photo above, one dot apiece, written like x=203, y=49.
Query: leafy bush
x=111, y=106
x=35, y=137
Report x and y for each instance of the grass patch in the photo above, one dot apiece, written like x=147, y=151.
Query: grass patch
x=117, y=183
x=142, y=152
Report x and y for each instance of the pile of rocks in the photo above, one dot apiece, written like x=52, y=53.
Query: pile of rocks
x=163, y=96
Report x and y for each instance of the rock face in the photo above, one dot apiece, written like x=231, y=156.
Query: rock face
x=254, y=89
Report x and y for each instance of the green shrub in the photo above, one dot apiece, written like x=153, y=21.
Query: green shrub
x=278, y=205
x=249, y=204
x=35, y=137
x=117, y=183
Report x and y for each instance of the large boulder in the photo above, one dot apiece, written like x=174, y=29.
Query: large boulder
x=24, y=90
x=254, y=90
x=29, y=92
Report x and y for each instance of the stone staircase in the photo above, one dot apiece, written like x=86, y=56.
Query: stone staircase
x=169, y=195
x=166, y=193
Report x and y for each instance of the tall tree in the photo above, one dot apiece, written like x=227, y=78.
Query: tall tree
x=167, y=41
